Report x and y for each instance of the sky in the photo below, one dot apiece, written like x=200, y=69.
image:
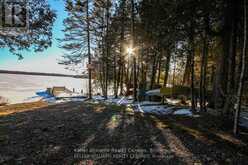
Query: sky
x=46, y=61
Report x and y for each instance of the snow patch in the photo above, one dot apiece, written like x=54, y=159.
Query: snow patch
x=173, y=101
x=154, y=109
x=185, y=112
x=149, y=103
x=155, y=92
x=161, y=109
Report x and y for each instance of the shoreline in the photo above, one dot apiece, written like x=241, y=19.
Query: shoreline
x=21, y=107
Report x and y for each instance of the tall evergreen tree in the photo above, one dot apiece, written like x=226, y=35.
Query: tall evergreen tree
x=77, y=36
x=37, y=36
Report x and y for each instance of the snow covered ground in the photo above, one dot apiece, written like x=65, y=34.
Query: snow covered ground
x=154, y=109
x=148, y=107
x=173, y=101
x=185, y=112
x=155, y=92
x=162, y=109
x=62, y=98
x=112, y=100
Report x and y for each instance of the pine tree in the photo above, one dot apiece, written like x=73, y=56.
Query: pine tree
x=38, y=36
x=77, y=36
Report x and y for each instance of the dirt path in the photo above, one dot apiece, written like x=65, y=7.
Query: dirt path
x=76, y=133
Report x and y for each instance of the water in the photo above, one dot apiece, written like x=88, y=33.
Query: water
x=17, y=88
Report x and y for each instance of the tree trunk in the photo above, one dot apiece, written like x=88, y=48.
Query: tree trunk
x=128, y=78
x=134, y=58
x=107, y=51
x=159, y=68
x=119, y=78
x=174, y=74
x=134, y=79
x=204, y=62
x=186, y=76
x=121, y=81
x=231, y=90
x=115, y=77
x=221, y=79
x=154, y=68
x=101, y=79
x=88, y=47
x=241, y=81
x=167, y=67
x=192, y=66
x=122, y=67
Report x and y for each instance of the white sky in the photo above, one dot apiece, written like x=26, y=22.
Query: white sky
x=46, y=64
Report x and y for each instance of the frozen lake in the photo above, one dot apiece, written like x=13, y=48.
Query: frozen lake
x=17, y=88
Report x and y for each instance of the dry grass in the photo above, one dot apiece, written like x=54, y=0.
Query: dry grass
x=23, y=107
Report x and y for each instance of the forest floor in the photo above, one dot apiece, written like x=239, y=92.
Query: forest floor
x=88, y=133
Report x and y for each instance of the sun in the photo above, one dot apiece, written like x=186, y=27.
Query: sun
x=130, y=50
